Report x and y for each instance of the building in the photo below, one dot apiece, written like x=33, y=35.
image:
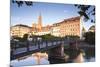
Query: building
x=68, y=27
x=45, y=30
x=34, y=28
x=56, y=30
x=19, y=30
x=37, y=27
x=40, y=23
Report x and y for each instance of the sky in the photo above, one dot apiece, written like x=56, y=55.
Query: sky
x=51, y=13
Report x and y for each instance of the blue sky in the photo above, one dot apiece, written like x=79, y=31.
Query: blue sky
x=50, y=12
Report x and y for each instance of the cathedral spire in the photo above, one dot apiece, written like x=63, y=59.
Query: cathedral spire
x=40, y=23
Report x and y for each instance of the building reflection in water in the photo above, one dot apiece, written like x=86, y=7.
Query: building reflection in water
x=37, y=59
x=38, y=56
x=34, y=59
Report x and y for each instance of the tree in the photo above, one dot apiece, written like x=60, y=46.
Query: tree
x=90, y=37
x=87, y=11
x=25, y=37
x=20, y=3
x=49, y=37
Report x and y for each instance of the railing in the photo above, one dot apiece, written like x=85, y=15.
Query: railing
x=19, y=49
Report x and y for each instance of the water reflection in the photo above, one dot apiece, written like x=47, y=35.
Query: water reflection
x=36, y=59
x=91, y=59
x=38, y=56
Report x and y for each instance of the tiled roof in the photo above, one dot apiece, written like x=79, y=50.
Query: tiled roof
x=67, y=20
x=71, y=19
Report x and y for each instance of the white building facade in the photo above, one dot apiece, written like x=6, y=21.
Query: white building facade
x=19, y=30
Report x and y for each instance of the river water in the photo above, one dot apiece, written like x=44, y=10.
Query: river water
x=34, y=60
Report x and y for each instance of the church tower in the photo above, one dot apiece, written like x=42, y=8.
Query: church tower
x=40, y=23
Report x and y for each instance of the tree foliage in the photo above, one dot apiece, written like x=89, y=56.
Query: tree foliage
x=87, y=11
x=22, y=39
x=90, y=37
x=20, y=3
x=25, y=37
x=49, y=37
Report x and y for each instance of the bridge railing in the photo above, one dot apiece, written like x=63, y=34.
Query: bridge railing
x=21, y=48
x=35, y=45
x=15, y=44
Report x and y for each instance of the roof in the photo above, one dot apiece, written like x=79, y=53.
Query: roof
x=22, y=25
x=71, y=19
x=67, y=20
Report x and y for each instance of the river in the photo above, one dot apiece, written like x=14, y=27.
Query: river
x=35, y=60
